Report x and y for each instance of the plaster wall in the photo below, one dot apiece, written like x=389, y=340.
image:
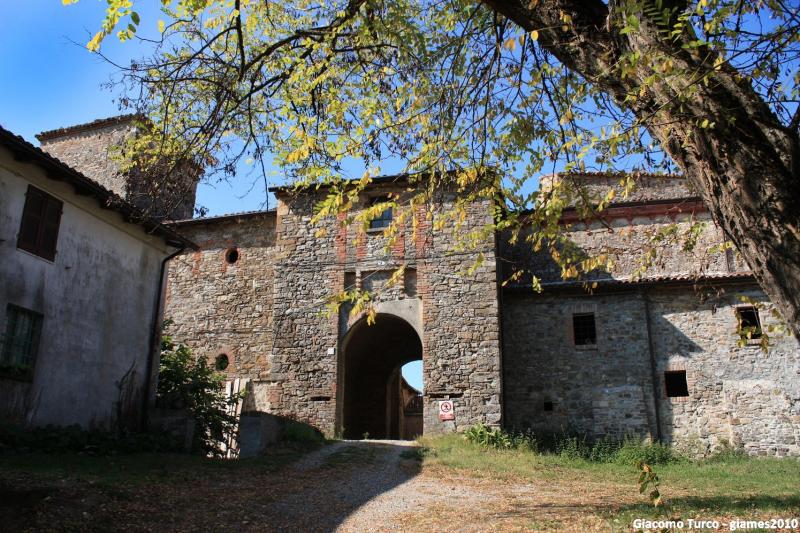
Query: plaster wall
x=97, y=299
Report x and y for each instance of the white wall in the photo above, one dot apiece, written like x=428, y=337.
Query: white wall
x=97, y=298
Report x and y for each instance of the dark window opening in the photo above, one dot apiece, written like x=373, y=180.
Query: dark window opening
x=231, y=255
x=675, y=383
x=20, y=341
x=583, y=328
x=38, y=231
x=384, y=220
x=749, y=321
x=548, y=406
x=222, y=362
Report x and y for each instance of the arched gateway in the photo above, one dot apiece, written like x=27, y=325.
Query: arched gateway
x=374, y=401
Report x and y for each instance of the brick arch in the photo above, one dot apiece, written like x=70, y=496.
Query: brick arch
x=409, y=309
x=370, y=358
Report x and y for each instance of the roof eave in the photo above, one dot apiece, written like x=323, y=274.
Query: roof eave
x=58, y=171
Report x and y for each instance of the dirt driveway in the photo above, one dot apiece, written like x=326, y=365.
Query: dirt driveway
x=348, y=486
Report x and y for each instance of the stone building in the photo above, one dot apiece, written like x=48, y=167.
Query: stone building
x=650, y=353
x=95, y=148
x=80, y=294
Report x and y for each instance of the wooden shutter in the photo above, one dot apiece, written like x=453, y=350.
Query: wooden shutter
x=41, y=216
x=31, y=220
x=50, y=223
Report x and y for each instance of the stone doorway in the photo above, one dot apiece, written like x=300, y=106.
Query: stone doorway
x=376, y=401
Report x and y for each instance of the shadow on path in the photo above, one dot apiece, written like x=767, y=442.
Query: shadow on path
x=327, y=486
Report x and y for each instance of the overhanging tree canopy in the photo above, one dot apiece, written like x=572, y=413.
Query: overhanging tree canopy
x=520, y=87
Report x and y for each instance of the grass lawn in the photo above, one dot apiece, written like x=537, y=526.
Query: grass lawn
x=733, y=487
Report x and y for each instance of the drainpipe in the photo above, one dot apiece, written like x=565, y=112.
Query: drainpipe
x=498, y=265
x=155, y=331
x=653, y=372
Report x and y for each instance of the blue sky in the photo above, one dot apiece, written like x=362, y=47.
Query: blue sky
x=49, y=80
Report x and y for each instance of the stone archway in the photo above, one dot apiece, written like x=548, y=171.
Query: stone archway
x=370, y=359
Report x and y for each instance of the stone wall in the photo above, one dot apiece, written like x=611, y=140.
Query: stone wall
x=595, y=185
x=92, y=149
x=552, y=385
x=741, y=395
x=221, y=307
x=737, y=395
x=268, y=312
x=459, y=312
x=626, y=239
x=678, y=315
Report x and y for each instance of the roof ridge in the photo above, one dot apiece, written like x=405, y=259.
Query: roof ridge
x=94, y=124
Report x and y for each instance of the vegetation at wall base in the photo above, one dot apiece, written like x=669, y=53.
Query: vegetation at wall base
x=74, y=439
x=573, y=446
x=190, y=383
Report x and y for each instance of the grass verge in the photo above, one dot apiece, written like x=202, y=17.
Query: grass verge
x=725, y=487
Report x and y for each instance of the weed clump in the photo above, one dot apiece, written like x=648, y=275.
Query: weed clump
x=574, y=447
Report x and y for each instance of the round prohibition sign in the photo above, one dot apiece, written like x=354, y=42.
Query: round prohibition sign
x=446, y=407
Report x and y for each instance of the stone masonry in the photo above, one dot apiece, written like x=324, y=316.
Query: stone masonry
x=504, y=354
x=91, y=148
x=280, y=286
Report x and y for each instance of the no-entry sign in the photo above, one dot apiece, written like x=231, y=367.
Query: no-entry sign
x=446, y=411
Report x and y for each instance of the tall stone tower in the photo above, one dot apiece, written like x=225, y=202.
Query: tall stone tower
x=90, y=149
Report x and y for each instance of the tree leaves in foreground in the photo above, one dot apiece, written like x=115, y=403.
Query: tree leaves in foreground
x=513, y=89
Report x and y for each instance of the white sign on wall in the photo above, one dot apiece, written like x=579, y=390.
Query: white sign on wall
x=446, y=411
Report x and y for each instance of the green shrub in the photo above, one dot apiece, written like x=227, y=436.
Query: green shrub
x=604, y=450
x=490, y=437
x=574, y=446
x=524, y=440
x=634, y=452
x=727, y=453
x=192, y=384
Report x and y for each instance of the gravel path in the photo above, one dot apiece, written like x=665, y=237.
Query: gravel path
x=354, y=486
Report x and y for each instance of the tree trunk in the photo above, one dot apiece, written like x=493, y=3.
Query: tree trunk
x=746, y=166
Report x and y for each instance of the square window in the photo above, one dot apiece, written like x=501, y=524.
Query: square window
x=584, y=332
x=548, y=406
x=384, y=220
x=20, y=341
x=749, y=321
x=38, y=231
x=675, y=383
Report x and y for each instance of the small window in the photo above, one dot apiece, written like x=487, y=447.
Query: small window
x=222, y=362
x=548, y=406
x=384, y=220
x=749, y=322
x=41, y=217
x=231, y=255
x=583, y=329
x=20, y=341
x=675, y=383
